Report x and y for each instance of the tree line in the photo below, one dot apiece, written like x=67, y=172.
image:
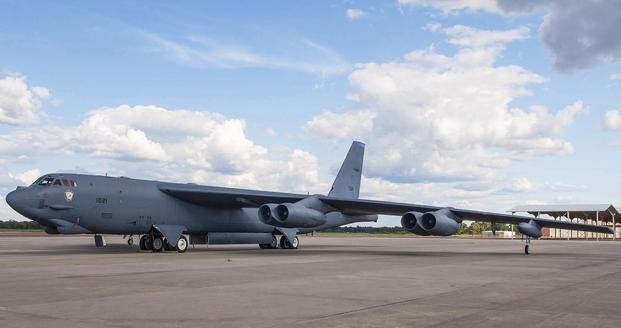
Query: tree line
x=20, y=225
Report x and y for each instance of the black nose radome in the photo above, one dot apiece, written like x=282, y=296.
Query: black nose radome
x=11, y=199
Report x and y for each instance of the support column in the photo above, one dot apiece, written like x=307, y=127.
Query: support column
x=569, y=236
x=597, y=221
x=614, y=227
x=512, y=230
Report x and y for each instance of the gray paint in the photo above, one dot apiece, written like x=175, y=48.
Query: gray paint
x=120, y=205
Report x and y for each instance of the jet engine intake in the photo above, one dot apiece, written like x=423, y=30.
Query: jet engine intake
x=531, y=229
x=440, y=223
x=410, y=221
x=266, y=214
x=289, y=215
x=297, y=216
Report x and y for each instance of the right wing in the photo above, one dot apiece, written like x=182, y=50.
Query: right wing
x=363, y=207
x=220, y=197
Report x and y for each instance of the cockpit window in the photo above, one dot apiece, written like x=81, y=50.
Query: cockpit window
x=45, y=181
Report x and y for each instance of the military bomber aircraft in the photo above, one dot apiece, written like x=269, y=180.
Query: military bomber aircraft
x=164, y=213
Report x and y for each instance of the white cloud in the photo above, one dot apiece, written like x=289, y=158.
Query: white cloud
x=171, y=145
x=355, y=14
x=19, y=103
x=452, y=6
x=612, y=120
x=466, y=36
x=615, y=77
x=349, y=125
x=202, y=52
x=579, y=34
x=433, y=117
x=27, y=177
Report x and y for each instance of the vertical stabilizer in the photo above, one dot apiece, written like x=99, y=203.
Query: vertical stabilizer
x=347, y=182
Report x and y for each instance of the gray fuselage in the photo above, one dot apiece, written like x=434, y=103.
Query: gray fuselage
x=119, y=205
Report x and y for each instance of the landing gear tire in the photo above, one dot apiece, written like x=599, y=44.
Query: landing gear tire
x=145, y=243
x=295, y=243
x=130, y=241
x=285, y=244
x=274, y=243
x=182, y=244
x=526, y=249
x=158, y=244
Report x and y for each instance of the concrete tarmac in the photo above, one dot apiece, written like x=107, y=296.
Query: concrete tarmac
x=59, y=281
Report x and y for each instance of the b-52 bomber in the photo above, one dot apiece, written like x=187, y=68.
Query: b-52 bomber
x=163, y=213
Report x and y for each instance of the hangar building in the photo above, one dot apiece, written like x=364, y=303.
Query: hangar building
x=599, y=214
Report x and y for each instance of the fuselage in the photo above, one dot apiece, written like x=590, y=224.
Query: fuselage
x=118, y=205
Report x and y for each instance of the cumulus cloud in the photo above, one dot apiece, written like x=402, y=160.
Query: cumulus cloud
x=452, y=6
x=355, y=14
x=578, y=33
x=348, y=125
x=28, y=177
x=612, y=120
x=437, y=117
x=471, y=37
x=581, y=34
x=19, y=102
x=181, y=145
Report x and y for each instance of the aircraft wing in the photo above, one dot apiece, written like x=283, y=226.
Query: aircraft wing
x=220, y=197
x=362, y=207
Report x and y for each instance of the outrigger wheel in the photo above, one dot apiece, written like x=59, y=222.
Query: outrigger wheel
x=526, y=249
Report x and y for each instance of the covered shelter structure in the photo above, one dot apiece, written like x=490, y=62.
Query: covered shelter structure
x=598, y=214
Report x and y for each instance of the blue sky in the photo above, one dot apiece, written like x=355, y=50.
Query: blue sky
x=478, y=104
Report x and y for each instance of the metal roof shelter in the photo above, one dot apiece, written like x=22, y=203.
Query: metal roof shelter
x=606, y=213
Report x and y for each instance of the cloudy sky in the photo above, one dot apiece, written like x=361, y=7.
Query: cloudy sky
x=481, y=104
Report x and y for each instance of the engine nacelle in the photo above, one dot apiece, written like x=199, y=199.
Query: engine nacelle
x=531, y=229
x=266, y=214
x=290, y=215
x=440, y=223
x=410, y=221
x=297, y=216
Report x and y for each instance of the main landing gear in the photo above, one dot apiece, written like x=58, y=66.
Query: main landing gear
x=273, y=244
x=284, y=243
x=158, y=243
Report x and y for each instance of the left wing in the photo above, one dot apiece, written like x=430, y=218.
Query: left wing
x=220, y=197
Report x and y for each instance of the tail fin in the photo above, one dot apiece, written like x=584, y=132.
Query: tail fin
x=347, y=182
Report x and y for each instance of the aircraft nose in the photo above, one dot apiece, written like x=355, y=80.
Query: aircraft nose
x=11, y=199
x=15, y=199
